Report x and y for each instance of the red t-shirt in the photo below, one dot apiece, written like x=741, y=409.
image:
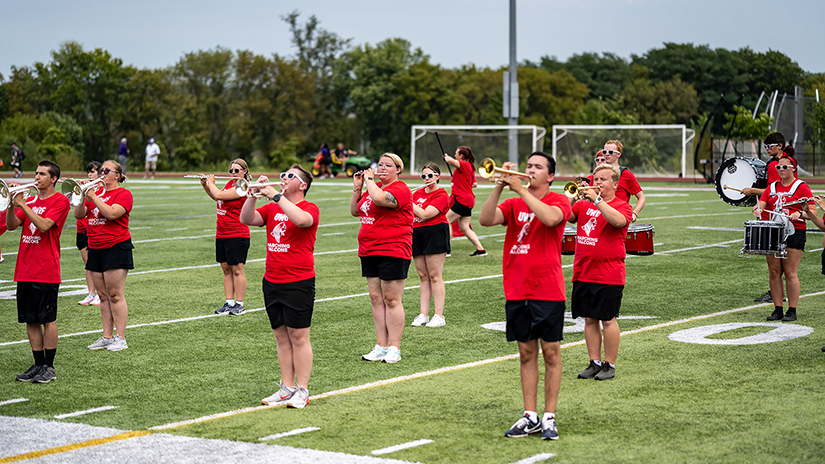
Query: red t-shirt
x=229, y=216
x=386, y=231
x=803, y=191
x=289, y=248
x=439, y=199
x=600, y=246
x=38, y=259
x=773, y=174
x=461, y=184
x=628, y=185
x=81, y=223
x=102, y=232
x=532, y=251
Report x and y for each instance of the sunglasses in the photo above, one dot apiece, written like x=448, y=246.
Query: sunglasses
x=291, y=175
x=235, y=171
x=601, y=160
x=783, y=167
x=771, y=145
x=609, y=152
x=105, y=171
x=427, y=176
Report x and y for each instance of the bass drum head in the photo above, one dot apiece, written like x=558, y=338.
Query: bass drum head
x=740, y=173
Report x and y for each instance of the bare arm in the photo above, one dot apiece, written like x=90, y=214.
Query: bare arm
x=451, y=161
x=425, y=214
x=110, y=212
x=491, y=215
x=640, y=203
x=357, y=186
x=249, y=214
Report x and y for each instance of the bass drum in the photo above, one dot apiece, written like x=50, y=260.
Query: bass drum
x=568, y=242
x=740, y=173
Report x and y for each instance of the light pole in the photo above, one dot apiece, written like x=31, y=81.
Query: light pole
x=510, y=87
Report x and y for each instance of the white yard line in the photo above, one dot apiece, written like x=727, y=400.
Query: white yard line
x=289, y=434
x=402, y=446
x=87, y=411
x=536, y=458
x=16, y=400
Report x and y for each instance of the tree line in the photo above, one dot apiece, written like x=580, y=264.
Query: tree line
x=216, y=105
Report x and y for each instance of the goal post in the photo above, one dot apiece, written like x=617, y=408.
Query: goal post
x=660, y=150
x=485, y=141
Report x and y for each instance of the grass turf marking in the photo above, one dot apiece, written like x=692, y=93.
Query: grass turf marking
x=289, y=434
x=536, y=458
x=87, y=411
x=402, y=446
x=74, y=446
x=16, y=400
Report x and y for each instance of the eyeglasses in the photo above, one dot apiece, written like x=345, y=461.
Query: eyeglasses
x=428, y=176
x=235, y=171
x=609, y=152
x=768, y=146
x=783, y=167
x=105, y=171
x=291, y=175
x=601, y=160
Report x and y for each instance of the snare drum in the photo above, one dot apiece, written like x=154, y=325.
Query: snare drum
x=764, y=238
x=568, y=242
x=740, y=173
x=639, y=239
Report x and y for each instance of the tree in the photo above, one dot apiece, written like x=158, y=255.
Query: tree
x=666, y=102
x=548, y=98
x=603, y=75
x=746, y=127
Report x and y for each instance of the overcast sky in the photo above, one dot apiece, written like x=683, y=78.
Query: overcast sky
x=155, y=34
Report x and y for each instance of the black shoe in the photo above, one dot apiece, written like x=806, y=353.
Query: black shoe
x=224, y=309
x=29, y=374
x=591, y=370
x=606, y=373
x=765, y=298
x=775, y=315
x=523, y=427
x=45, y=375
x=790, y=316
x=478, y=253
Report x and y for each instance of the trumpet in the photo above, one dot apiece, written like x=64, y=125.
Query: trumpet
x=77, y=191
x=487, y=168
x=7, y=193
x=571, y=190
x=204, y=176
x=243, y=187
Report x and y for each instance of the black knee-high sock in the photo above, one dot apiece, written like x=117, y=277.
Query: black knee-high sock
x=50, y=356
x=39, y=358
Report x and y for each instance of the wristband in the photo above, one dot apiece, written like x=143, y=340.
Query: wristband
x=276, y=198
x=369, y=178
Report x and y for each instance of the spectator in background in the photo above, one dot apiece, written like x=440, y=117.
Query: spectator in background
x=325, y=160
x=16, y=160
x=341, y=154
x=152, y=152
x=123, y=154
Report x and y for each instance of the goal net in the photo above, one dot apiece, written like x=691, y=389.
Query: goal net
x=649, y=150
x=485, y=141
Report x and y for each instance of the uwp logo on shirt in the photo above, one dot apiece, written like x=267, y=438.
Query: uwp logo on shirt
x=365, y=208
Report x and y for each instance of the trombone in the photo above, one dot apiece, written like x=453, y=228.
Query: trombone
x=243, y=187
x=571, y=190
x=7, y=193
x=487, y=168
x=77, y=191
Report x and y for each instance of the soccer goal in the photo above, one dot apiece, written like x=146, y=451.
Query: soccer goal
x=485, y=141
x=649, y=150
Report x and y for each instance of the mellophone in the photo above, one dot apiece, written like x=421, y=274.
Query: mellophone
x=639, y=240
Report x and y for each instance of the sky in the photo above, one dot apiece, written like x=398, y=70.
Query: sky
x=156, y=34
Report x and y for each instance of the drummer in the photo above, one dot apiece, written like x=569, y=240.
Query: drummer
x=628, y=185
x=782, y=192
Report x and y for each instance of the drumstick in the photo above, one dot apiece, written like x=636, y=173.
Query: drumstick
x=443, y=153
x=731, y=188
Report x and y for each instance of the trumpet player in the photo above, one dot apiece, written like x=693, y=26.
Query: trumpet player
x=231, y=237
x=37, y=272
x=628, y=185
x=533, y=283
x=82, y=243
x=599, y=268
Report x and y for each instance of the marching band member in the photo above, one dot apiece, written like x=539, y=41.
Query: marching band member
x=385, y=249
x=599, y=268
x=82, y=242
x=628, y=185
x=430, y=245
x=110, y=252
x=462, y=198
x=37, y=272
x=533, y=283
x=778, y=194
x=289, y=281
x=231, y=237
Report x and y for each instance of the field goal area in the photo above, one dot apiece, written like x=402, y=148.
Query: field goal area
x=485, y=141
x=649, y=150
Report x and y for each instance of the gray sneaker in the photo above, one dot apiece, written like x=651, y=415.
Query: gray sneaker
x=117, y=344
x=591, y=370
x=280, y=397
x=224, y=309
x=101, y=342
x=606, y=373
x=45, y=375
x=237, y=310
x=764, y=298
x=549, y=431
x=29, y=374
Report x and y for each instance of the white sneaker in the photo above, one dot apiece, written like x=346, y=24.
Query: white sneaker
x=88, y=300
x=377, y=354
x=95, y=301
x=101, y=342
x=393, y=355
x=420, y=320
x=280, y=397
x=437, y=321
x=117, y=344
x=299, y=399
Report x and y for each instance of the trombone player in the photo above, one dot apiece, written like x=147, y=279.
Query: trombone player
x=599, y=267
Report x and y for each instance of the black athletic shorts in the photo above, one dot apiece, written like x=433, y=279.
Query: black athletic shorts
x=231, y=251
x=596, y=301
x=82, y=240
x=532, y=319
x=118, y=256
x=431, y=240
x=384, y=267
x=797, y=240
x=36, y=302
x=290, y=304
x=461, y=210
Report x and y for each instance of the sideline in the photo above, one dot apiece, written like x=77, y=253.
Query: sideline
x=74, y=446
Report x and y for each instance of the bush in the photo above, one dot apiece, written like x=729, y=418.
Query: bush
x=285, y=155
x=189, y=155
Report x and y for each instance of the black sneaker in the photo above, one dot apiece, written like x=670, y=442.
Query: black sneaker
x=776, y=314
x=478, y=253
x=29, y=374
x=790, y=316
x=549, y=431
x=224, y=309
x=523, y=427
x=237, y=310
x=591, y=370
x=765, y=298
x=606, y=373
x=45, y=375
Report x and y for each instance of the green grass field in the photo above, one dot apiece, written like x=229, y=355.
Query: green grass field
x=671, y=401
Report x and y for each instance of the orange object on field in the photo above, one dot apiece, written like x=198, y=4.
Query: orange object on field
x=457, y=230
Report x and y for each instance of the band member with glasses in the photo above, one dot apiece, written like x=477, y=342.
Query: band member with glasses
x=82, y=242
x=231, y=237
x=430, y=245
x=110, y=252
x=774, y=198
x=385, y=249
x=462, y=198
x=599, y=269
x=533, y=283
x=37, y=272
x=289, y=280
x=628, y=185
